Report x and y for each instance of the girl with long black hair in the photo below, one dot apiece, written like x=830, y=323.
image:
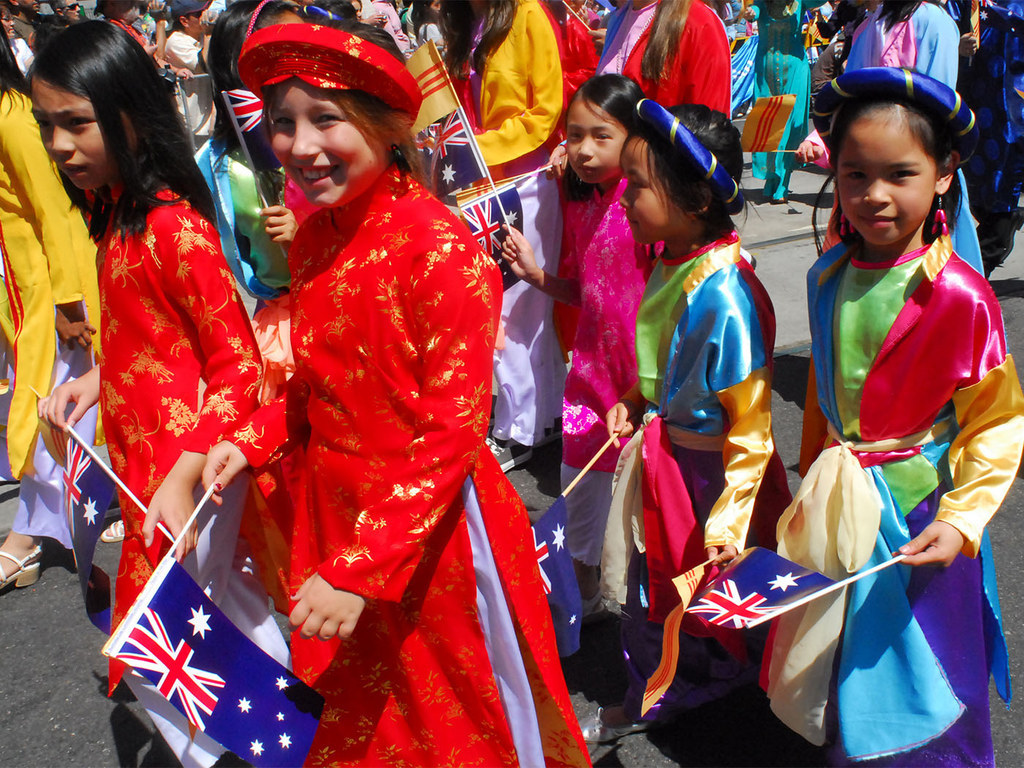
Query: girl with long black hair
x=180, y=366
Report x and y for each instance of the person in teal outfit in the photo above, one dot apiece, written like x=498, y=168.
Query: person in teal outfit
x=781, y=67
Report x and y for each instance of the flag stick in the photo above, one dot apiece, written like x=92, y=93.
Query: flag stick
x=240, y=135
x=106, y=469
x=825, y=591
x=191, y=520
x=590, y=464
x=578, y=17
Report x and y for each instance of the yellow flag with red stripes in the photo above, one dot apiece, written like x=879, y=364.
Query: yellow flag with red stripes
x=659, y=682
x=766, y=123
x=439, y=97
x=976, y=20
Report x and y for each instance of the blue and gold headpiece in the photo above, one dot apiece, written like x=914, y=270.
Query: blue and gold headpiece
x=699, y=157
x=906, y=85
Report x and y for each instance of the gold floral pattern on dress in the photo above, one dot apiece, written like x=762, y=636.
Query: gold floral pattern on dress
x=173, y=328
x=181, y=418
x=393, y=319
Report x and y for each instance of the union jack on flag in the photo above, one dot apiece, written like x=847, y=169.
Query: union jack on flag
x=155, y=651
x=87, y=494
x=78, y=463
x=724, y=606
x=246, y=111
x=558, y=577
x=177, y=639
x=486, y=214
x=456, y=161
x=453, y=133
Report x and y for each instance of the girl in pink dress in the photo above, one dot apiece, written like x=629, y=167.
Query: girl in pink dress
x=603, y=273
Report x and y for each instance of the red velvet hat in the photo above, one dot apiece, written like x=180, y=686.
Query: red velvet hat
x=327, y=58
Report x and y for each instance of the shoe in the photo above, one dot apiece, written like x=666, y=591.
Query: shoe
x=551, y=434
x=596, y=731
x=595, y=610
x=26, y=573
x=113, y=533
x=509, y=453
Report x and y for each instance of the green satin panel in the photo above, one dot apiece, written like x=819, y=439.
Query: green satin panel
x=267, y=258
x=867, y=304
x=657, y=321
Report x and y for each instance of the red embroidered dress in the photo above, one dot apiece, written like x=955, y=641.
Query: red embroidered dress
x=179, y=370
x=394, y=315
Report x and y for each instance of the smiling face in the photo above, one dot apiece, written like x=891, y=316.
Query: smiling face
x=72, y=137
x=594, y=143
x=330, y=159
x=887, y=183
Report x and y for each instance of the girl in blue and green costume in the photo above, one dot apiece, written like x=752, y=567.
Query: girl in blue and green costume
x=914, y=415
x=254, y=236
x=709, y=472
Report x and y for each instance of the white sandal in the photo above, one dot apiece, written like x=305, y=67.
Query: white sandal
x=25, y=574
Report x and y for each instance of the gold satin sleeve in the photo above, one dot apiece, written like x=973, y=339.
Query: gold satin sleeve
x=985, y=456
x=748, y=447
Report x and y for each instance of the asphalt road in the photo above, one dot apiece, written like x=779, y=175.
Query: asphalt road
x=53, y=679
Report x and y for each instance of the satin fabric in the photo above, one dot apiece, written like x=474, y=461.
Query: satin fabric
x=48, y=260
x=701, y=469
x=258, y=264
x=969, y=409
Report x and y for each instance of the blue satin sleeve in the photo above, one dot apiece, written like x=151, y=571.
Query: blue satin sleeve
x=718, y=343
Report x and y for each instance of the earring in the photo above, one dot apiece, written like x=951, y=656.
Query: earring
x=939, y=226
x=398, y=158
x=845, y=228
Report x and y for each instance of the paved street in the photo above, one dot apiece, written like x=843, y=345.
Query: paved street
x=54, y=679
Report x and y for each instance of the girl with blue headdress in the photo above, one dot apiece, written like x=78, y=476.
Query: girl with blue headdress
x=915, y=414
x=709, y=472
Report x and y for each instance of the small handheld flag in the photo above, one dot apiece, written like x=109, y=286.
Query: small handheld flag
x=754, y=585
x=556, y=571
x=246, y=111
x=439, y=98
x=87, y=494
x=752, y=588
x=659, y=682
x=766, y=123
x=485, y=214
x=175, y=637
x=456, y=161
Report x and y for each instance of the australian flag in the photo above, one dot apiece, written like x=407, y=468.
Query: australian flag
x=87, y=494
x=176, y=638
x=754, y=586
x=486, y=215
x=559, y=578
x=246, y=111
x=456, y=161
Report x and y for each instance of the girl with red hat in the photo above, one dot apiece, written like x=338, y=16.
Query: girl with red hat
x=418, y=609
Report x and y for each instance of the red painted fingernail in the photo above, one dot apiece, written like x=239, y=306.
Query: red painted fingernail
x=218, y=486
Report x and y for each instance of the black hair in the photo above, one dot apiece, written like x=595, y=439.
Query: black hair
x=895, y=11
x=616, y=96
x=330, y=13
x=683, y=185
x=46, y=29
x=928, y=130
x=422, y=13
x=135, y=113
x=11, y=78
x=457, y=26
